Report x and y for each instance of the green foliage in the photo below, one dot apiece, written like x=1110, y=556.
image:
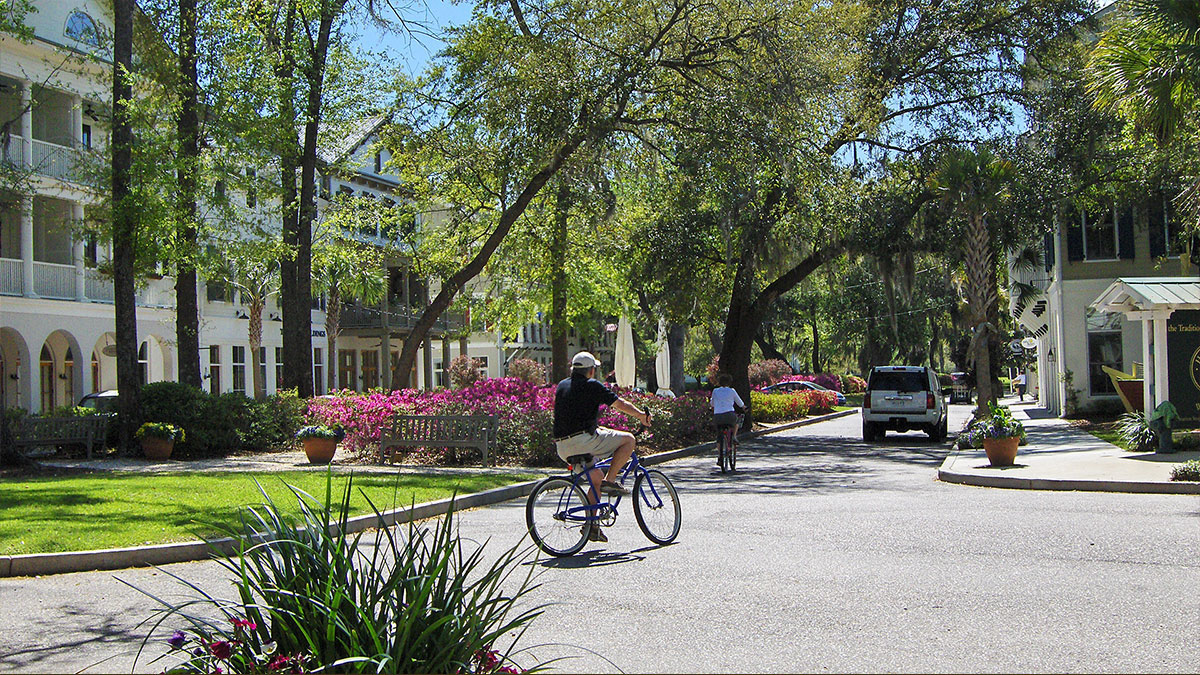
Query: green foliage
x=1189, y=470
x=168, y=432
x=72, y=411
x=424, y=602
x=1134, y=431
x=223, y=423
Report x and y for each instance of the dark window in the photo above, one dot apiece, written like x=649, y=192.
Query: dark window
x=1104, y=349
x=219, y=190
x=214, y=369
x=379, y=162
x=90, y=250
x=318, y=372
x=1100, y=235
x=883, y=380
x=86, y=136
x=279, y=368
x=218, y=291
x=239, y=370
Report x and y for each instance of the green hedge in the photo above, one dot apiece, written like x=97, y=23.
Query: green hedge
x=217, y=424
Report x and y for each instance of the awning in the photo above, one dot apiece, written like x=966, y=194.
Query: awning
x=1145, y=294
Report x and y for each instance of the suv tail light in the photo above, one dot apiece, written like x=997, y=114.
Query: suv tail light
x=929, y=400
x=867, y=400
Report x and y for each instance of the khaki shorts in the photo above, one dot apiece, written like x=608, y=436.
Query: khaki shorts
x=600, y=445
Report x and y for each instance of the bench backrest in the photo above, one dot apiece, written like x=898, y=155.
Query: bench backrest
x=445, y=427
x=59, y=428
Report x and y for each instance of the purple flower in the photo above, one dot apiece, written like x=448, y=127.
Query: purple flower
x=176, y=640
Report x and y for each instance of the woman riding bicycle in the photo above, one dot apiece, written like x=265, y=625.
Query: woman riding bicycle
x=726, y=403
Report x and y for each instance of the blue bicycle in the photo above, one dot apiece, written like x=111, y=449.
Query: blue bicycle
x=560, y=518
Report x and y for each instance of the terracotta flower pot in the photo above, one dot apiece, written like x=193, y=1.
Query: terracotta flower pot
x=157, y=448
x=1001, y=451
x=320, y=450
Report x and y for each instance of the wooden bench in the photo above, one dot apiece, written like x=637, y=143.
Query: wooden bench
x=438, y=431
x=87, y=430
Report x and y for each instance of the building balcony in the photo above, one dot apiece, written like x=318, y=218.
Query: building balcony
x=48, y=159
x=369, y=319
x=54, y=281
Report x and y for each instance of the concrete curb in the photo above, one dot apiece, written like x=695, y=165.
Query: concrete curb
x=947, y=475
x=35, y=564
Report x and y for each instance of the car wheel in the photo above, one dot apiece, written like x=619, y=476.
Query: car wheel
x=937, y=432
x=869, y=432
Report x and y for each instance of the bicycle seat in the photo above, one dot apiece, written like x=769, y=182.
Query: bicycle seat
x=579, y=462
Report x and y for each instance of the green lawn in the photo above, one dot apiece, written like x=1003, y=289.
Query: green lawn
x=74, y=513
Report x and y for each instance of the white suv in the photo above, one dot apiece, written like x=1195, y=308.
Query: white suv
x=902, y=398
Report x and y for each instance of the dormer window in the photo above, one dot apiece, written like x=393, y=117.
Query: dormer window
x=81, y=27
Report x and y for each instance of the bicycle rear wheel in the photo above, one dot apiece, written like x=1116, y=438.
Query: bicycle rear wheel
x=554, y=514
x=721, y=461
x=731, y=453
x=656, y=506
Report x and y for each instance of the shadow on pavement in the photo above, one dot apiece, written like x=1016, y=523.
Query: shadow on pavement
x=593, y=559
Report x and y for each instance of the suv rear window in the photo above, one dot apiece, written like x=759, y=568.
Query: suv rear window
x=898, y=381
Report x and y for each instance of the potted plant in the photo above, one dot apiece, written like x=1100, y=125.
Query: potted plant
x=1000, y=434
x=320, y=441
x=158, y=439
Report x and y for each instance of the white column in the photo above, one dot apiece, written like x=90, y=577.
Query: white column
x=77, y=121
x=1148, y=369
x=78, y=253
x=1162, y=383
x=27, y=121
x=27, y=245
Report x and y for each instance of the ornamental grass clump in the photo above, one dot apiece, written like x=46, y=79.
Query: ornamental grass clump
x=311, y=599
x=1134, y=431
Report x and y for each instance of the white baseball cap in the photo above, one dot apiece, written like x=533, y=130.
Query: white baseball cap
x=584, y=360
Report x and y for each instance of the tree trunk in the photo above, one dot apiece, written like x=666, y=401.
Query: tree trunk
x=333, y=329
x=125, y=226
x=816, y=339
x=560, y=367
x=768, y=349
x=187, y=310
x=254, y=334
x=676, y=340
x=295, y=309
x=981, y=295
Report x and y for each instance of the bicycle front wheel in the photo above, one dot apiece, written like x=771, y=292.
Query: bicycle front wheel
x=555, y=515
x=656, y=506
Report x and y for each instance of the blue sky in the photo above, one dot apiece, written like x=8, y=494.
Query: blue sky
x=414, y=50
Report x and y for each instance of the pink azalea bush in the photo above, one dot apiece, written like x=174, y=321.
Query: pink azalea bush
x=527, y=370
x=525, y=414
x=789, y=406
x=827, y=380
x=853, y=384
x=763, y=373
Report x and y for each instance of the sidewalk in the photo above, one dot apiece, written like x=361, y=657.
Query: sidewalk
x=1061, y=457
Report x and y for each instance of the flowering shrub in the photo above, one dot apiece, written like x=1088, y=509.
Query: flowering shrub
x=763, y=373
x=527, y=370
x=830, y=382
x=204, y=649
x=853, y=384
x=464, y=371
x=714, y=367
x=790, y=406
x=163, y=430
x=998, y=423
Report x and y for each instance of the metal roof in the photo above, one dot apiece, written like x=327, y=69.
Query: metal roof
x=1150, y=293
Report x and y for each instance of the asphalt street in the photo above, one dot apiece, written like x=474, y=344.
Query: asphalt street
x=820, y=553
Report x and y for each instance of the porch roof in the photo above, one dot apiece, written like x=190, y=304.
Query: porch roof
x=1145, y=294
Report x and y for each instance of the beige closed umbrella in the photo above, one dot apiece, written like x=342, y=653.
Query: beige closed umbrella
x=625, y=366
x=662, y=363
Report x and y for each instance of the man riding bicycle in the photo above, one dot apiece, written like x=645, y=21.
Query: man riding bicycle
x=577, y=402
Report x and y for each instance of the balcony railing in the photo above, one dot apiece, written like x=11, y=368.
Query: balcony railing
x=49, y=159
x=54, y=281
x=10, y=277
x=354, y=317
x=97, y=287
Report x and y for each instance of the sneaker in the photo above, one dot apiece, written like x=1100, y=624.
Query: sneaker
x=613, y=489
x=597, y=534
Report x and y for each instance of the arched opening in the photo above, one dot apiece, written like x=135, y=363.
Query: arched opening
x=80, y=26
x=47, y=400
x=144, y=362
x=68, y=377
x=14, y=369
x=104, y=363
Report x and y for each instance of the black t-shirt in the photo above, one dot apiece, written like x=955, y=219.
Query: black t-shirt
x=577, y=403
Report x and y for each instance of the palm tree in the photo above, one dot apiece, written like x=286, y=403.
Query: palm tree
x=345, y=270
x=974, y=185
x=252, y=267
x=1147, y=68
